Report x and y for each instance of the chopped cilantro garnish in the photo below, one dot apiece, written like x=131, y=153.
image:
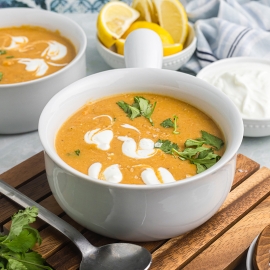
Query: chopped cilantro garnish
x=212, y=140
x=9, y=56
x=15, y=248
x=199, y=155
x=206, y=138
x=3, y=52
x=77, y=152
x=1, y=76
x=169, y=123
x=140, y=107
x=202, y=157
x=166, y=146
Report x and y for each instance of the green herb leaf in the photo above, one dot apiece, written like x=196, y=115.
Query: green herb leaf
x=77, y=152
x=146, y=109
x=3, y=52
x=202, y=157
x=9, y=56
x=191, y=143
x=212, y=140
x=123, y=105
x=23, y=242
x=134, y=112
x=140, y=107
x=1, y=76
x=2, y=238
x=15, y=248
x=21, y=219
x=168, y=123
x=131, y=111
x=166, y=146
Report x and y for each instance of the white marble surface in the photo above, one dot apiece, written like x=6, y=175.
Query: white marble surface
x=16, y=148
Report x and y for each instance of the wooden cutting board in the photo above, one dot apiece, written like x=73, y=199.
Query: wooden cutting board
x=220, y=243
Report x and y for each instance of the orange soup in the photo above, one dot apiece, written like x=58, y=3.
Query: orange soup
x=139, y=139
x=28, y=53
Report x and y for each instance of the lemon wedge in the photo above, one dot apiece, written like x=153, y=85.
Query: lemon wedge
x=170, y=49
x=165, y=36
x=146, y=9
x=113, y=20
x=172, y=17
x=119, y=44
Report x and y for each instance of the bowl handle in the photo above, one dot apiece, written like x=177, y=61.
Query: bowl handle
x=143, y=49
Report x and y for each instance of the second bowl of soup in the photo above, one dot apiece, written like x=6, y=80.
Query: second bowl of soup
x=40, y=53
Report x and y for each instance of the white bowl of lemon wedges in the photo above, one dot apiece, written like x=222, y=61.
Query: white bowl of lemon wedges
x=167, y=18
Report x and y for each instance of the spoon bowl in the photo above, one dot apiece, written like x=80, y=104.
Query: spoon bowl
x=119, y=256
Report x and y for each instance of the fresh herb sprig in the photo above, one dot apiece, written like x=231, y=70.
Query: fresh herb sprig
x=206, y=138
x=15, y=248
x=199, y=155
x=166, y=146
x=202, y=157
x=140, y=107
x=169, y=123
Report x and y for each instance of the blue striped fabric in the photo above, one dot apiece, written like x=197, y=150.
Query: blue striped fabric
x=228, y=29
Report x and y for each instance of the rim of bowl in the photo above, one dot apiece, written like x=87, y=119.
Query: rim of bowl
x=51, y=152
x=232, y=61
x=78, y=56
x=249, y=263
x=165, y=58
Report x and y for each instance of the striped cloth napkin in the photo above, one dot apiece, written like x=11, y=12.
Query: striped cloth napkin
x=228, y=28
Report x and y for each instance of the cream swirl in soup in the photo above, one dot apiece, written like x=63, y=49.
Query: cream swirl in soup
x=160, y=140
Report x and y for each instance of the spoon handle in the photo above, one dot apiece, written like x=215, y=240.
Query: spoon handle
x=75, y=236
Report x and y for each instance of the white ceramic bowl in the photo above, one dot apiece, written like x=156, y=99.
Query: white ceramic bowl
x=171, y=62
x=257, y=127
x=139, y=212
x=249, y=259
x=22, y=103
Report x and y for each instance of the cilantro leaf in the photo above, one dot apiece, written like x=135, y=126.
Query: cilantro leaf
x=212, y=140
x=134, y=112
x=3, y=52
x=77, y=152
x=140, y=107
x=166, y=146
x=23, y=242
x=167, y=123
x=20, y=219
x=15, y=248
x=146, y=108
x=1, y=76
x=202, y=157
x=191, y=142
x=123, y=105
x=2, y=238
x=131, y=111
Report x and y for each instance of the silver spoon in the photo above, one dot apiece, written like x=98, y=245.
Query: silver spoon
x=113, y=256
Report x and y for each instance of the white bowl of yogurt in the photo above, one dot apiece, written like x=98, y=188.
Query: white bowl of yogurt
x=246, y=81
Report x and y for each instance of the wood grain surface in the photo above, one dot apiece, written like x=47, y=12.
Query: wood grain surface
x=220, y=243
x=261, y=254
